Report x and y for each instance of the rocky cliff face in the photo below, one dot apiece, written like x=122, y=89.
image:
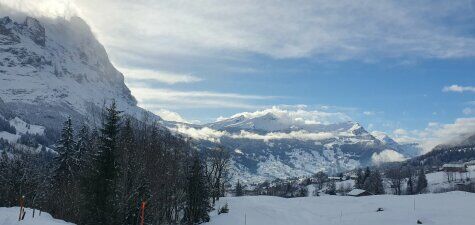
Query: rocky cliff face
x=52, y=68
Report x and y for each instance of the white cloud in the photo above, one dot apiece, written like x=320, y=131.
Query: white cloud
x=204, y=133
x=387, y=155
x=299, y=135
x=298, y=114
x=468, y=111
x=49, y=8
x=457, y=88
x=209, y=134
x=160, y=76
x=369, y=113
x=436, y=133
x=170, y=116
x=336, y=30
x=156, y=98
x=400, y=132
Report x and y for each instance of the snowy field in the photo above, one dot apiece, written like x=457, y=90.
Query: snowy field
x=453, y=208
x=9, y=216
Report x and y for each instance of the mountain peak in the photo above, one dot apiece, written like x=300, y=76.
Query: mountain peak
x=55, y=68
x=35, y=30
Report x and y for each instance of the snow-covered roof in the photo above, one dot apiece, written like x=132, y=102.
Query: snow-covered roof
x=449, y=165
x=356, y=192
x=470, y=163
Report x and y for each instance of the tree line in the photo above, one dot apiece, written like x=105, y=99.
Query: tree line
x=102, y=175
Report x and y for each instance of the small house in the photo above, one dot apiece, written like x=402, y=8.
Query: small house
x=358, y=193
x=454, y=168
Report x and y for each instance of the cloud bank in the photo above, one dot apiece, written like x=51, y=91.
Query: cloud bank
x=338, y=30
x=435, y=133
x=206, y=133
x=457, y=88
x=387, y=155
x=297, y=114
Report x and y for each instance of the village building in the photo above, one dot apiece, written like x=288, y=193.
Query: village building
x=453, y=171
x=358, y=193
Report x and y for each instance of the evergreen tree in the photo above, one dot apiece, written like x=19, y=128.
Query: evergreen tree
x=239, y=191
x=83, y=149
x=197, y=205
x=359, y=183
x=331, y=188
x=64, y=173
x=367, y=174
x=375, y=183
x=421, y=181
x=410, y=185
x=128, y=180
x=104, y=177
x=83, y=156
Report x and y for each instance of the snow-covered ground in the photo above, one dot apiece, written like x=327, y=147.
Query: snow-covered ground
x=446, y=208
x=437, y=181
x=9, y=216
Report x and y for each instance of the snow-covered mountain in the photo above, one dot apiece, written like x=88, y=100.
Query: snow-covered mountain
x=277, y=143
x=52, y=68
x=407, y=149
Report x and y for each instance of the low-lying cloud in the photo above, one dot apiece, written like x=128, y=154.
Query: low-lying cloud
x=297, y=114
x=206, y=133
x=387, y=155
x=435, y=133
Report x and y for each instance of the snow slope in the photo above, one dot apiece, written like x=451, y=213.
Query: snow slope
x=9, y=216
x=444, y=209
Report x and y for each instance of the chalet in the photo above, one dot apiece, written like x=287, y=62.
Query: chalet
x=454, y=168
x=358, y=193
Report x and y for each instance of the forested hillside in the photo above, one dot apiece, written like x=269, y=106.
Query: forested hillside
x=102, y=175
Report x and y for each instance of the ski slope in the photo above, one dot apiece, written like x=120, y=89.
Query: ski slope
x=446, y=208
x=9, y=216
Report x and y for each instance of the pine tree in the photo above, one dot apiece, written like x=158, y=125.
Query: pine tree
x=331, y=188
x=197, y=205
x=64, y=173
x=239, y=191
x=129, y=175
x=103, y=181
x=83, y=149
x=375, y=183
x=421, y=182
x=359, y=183
x=410, y=185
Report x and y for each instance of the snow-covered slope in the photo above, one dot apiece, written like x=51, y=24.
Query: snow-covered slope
x=21, y=128
x=9, y=216
x=407, y=149
x=447, y=208
x=277, y=143
x=51, y=68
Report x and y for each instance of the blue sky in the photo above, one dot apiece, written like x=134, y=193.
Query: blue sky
x=383, y=63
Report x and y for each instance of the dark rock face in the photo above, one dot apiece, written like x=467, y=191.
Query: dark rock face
x=6, y=34
x=54, y=68
x=35, y=31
